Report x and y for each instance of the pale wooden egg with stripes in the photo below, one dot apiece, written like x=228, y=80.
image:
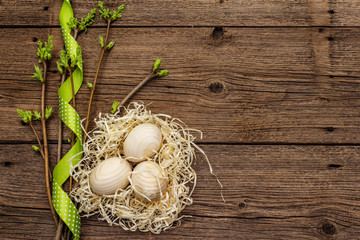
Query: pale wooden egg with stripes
x=110, y=175
x=142, y=142
x=149, y=181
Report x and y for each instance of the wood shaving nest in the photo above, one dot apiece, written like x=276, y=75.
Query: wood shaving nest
x=175, y=157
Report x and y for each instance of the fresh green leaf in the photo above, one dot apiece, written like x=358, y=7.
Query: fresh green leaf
x=76, y=59
x=37, y=115
x=36, y=148
x=156, y=68
x=64, y=57
x=29, y=115
x=104, y=13
x=162, y=73
x=38, y=73
x=115, y=104
x=73, y=23
x=44, y=49
x=101, y=40
x=117, y=14
x=64, y=61
x=90, y=85
x=110, y=45
x=82, y=25
x=25, y=116
x=157, y=64
x=87, y=21
x=22, y=115
x=48, y=112
x=107, y=15
x=59, y=67
x=69, y=140
x=40, y=45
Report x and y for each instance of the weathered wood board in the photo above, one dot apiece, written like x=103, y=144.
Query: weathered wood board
x=282, y=85
x=273, y=86
x=271, y=192
x=255, y=13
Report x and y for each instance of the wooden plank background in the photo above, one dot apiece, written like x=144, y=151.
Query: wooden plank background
x=257, y=13
x=273, y=85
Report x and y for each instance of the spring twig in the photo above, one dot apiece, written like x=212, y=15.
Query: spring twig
x=59, y=150
x=46, y=148
x=95, y=79
x=41, y=149
x=148, y=77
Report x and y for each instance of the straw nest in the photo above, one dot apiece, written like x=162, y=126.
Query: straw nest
x=175, y=157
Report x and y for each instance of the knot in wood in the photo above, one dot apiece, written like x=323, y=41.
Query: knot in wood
x=330, y=129
x=332, y=165
x=217, y=33
x=329, y=228
x=242, y=205
x=7, y=164
x=216, y=87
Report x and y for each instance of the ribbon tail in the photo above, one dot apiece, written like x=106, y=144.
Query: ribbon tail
x=62, y=203
x=66, y=209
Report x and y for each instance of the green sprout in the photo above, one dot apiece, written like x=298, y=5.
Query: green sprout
x=82, y=25
x=76, y=59
x=101, y=40
x=162, y=73
x=37, y=115
x=64, y=61
x=36, y=148
x=25, y=116
x=87, y=21
x=44, y=50
x=110, y=45
x=114, y=106
x=108, y=15
x=48, y=112
x=65, y=58
x=73, y=23
x=156, y=66
x=89, y=84
x=38, y=73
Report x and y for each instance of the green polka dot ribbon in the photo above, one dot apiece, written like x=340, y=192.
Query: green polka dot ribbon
x=61, y=201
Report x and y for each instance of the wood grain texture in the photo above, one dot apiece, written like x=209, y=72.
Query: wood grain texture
x=273, y=85
x=271, y=192
x=194, y=13
x=253, y=85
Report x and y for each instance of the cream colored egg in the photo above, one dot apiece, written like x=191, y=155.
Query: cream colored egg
x=142, y=142
x=110, y=175
x=148, y=181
